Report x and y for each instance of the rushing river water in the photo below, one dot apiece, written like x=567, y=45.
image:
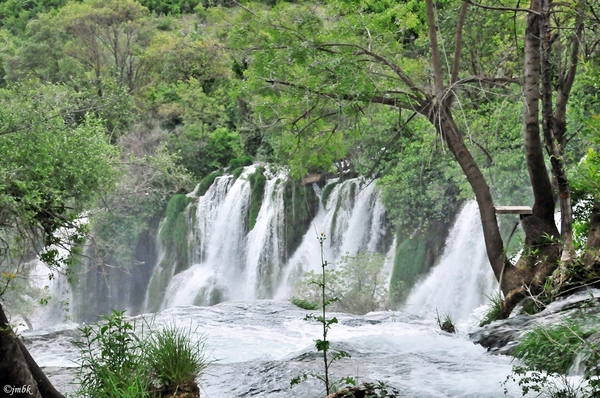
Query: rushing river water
x=261, y=345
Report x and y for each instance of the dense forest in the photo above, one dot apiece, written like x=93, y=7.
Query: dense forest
x=108, y=108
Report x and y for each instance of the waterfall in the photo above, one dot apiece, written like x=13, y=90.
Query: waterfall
x=352, y=219
x=463, y=278
x=230, y=261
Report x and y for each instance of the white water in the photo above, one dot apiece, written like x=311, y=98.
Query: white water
x=351, y=224
x=463, y=279
x=262, y=345
x=232, y=265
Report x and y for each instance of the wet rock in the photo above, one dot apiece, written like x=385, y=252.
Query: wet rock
x=502, y=336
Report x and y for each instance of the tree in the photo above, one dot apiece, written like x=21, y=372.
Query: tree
x=317, y=68
x=54, y=159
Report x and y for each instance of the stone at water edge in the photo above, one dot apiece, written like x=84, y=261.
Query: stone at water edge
x=360, y=392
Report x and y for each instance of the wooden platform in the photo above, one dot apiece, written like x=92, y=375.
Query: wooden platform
x=513, y=210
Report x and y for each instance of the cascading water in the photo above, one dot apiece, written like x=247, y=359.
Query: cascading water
x=229, y=263
x=352, y=219
x=263, y=344
x=463, y=278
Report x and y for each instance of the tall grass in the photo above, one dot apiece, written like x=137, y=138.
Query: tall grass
x=174, y=359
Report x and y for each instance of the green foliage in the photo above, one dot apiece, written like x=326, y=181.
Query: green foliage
x=174, y=359
x=170, y=7
x=422, y=179
x=445, y=323
x=208, y=181
x=115, y=362
x=55, y=161
x=237, y=173
x=358, y=283
x=112, y=362
x=174, y=231
x=300, y=206
x=493, y=312
x=549, y=352
x=304, y=304
x=15, y=14
x=257, y=186
x=409, y=263
x=130, y=212
x=202, y=152
x=552, y=349
x=240, y=162
x=326, y=192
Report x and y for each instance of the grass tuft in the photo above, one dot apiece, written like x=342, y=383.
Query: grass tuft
x=494, y=312
x=174, y=359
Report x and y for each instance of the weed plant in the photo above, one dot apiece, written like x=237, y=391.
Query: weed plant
x=346, y=386
x=323, y=345
x=551, y=349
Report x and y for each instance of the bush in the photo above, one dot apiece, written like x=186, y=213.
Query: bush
x=445, y=323
x=111, y=363
x=359, y=283
x=548, y=353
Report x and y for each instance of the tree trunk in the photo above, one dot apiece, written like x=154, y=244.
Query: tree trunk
x=19, y=374
x=591, y=259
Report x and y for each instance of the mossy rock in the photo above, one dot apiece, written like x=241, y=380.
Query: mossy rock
x=301, y=205
x=207, y=181
x=257, y=187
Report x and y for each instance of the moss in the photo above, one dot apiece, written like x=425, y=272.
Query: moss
x=409, y=264
x=300, y=207
x=207, y=181
x=416, y=253
x=237, y=172
x=240, y=162
x=174, y=232
x=327, y=192
x=257, y=186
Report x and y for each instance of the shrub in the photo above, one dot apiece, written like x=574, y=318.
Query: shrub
x=359, y=283
x=551, y=349
x=111, y=363
x=548, y=354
